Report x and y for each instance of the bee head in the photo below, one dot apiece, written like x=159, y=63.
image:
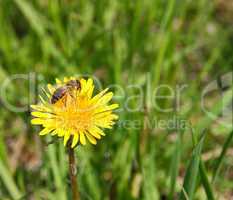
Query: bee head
x=74, y=84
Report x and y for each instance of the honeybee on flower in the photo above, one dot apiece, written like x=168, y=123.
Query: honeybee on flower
x=71, y=111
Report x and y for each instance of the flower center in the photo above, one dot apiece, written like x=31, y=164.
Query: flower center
x=75, y=113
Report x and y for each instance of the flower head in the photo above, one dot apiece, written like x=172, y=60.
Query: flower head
x=76, y=114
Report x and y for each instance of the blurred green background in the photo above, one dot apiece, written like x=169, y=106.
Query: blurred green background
x=173, y=42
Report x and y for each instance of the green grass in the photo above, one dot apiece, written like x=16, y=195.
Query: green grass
x=148, y=43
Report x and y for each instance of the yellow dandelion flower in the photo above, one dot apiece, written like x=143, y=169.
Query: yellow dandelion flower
x=73, y=112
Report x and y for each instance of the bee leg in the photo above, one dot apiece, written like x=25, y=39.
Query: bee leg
x=73, y=95
x=64, y=100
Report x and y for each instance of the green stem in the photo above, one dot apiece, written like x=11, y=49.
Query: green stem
x=9, y=182
x=73, y=173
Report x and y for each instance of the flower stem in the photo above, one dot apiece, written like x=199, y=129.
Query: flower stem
x=73, y=173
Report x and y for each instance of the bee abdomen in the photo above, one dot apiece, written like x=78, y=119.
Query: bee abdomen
x=54, y=99
x=58, y=94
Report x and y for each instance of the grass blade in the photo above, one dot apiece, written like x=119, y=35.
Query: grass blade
x=175, y=165
x=33, y=17
x=223, y=153
x=205, y=182
x=61, y=195
x=150, y=190
x=9, y=182
x=190, y=179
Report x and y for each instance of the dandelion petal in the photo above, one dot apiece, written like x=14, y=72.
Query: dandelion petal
x=82, y=138
x=75, y=140
x=66, y=138
x=91, y=138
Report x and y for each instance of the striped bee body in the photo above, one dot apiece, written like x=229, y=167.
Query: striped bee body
x=67, y=88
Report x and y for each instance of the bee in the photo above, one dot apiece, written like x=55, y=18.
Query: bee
x=67, y=88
